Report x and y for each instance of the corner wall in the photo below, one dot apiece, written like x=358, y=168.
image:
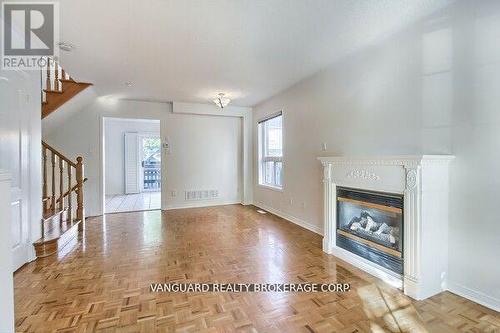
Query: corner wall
x=431, y=89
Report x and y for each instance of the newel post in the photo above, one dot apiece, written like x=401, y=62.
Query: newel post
x=44, y=186
x=80, y=212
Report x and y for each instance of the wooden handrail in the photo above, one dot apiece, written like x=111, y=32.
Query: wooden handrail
x=61, y=202
x=64, y=158
x=73, y=189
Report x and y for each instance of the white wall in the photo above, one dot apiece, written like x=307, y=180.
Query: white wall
x=206, y=150
x=246, y=116
x=6, y=276
x=206, y=154
x=432, y=88
x=114, y=146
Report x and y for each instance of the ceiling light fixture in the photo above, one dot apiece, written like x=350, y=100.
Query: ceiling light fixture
x=128, y=84
x=221, y=101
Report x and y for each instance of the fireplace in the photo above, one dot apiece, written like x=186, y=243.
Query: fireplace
x=370, y=224
x=388, y=216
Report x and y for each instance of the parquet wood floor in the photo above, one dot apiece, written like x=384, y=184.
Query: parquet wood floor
x=102, y=283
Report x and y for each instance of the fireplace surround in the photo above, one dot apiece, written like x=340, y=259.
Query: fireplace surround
x=389, y=217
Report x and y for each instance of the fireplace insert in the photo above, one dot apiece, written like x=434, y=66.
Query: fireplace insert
x=370, y=224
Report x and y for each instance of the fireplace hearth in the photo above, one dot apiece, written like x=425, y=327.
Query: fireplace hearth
x=370, y=224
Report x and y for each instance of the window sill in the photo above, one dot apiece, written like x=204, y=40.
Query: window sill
x=273, y=188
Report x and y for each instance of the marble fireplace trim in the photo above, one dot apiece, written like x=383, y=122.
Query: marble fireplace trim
x=423, y=180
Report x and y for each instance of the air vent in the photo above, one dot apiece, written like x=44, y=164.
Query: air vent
x=201, y=195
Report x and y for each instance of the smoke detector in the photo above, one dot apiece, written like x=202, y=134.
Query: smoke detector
x=65, y=46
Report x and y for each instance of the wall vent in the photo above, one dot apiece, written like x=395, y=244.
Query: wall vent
x=201, y=194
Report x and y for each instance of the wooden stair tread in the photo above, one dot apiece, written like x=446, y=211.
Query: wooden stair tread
x=56, y=239
x=67, y=80
x=57, y=232
x=73, y=81
x=53, y=91
x=53, y=223
x=50, y=214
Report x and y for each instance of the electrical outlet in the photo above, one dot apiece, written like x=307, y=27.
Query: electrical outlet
x=290, y=201
x=303, y=205
x=323, y=146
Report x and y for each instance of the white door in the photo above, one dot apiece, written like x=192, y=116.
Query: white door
x=132, y=166
x=14, y=157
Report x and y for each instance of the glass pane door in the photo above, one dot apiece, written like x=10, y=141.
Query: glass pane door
x=151, y=163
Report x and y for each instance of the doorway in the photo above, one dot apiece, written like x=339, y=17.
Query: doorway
x=132, y=163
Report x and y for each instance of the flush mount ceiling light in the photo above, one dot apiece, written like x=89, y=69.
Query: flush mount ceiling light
x=221, y=101
x=65, y=46
x=128, y=84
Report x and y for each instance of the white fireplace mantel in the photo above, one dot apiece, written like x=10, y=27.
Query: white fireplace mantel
x=423, y=180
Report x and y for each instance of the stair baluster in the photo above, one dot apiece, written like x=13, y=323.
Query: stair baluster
x=61, y=183
x=80, y=213
x=70, y=195
x=52, y=181
x=56, y=76
x=48, y=84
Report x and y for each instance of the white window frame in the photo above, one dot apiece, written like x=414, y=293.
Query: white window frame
x=262, y=148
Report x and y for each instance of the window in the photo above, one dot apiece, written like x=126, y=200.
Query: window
x=271, y=151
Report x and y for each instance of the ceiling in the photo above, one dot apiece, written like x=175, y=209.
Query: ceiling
x=189, y=50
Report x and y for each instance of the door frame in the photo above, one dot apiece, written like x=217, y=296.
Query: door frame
x=102, y=154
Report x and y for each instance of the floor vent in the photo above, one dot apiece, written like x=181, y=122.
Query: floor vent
x=201, y=195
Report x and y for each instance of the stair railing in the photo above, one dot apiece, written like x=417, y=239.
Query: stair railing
x=53, y=77
x=63, y=182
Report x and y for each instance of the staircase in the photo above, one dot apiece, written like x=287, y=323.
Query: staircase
x=63, y=179
x=58, y=88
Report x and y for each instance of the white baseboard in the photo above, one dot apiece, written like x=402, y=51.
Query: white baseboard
x=200, y=204
x=474, y=295
x=293, y=219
